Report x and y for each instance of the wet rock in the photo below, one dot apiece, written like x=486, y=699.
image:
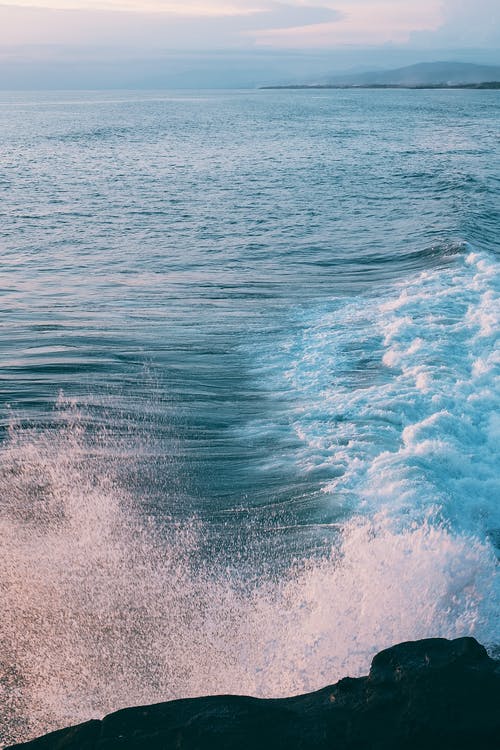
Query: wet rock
x=427, y=694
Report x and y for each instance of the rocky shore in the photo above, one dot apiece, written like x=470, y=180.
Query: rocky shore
x=427, y=694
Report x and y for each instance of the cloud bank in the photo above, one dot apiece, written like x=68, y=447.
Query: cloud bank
x=219, y=24
x=166, y=25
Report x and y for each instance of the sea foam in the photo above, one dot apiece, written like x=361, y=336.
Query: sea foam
x=394, y=397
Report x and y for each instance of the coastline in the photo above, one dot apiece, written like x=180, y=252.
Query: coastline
x=486, y=86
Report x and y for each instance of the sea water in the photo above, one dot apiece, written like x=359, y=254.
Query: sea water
x=249, y=390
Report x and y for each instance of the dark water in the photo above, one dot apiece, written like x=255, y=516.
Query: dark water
x=249, y=400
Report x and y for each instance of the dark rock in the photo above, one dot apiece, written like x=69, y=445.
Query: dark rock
x=429, y=694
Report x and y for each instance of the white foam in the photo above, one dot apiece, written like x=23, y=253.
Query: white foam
x=101, y=611
x=396, y=398
x=397, y=395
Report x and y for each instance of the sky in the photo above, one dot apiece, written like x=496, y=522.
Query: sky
x=86, y=34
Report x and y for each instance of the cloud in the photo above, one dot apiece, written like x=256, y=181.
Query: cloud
x=168, y=27
x=362, y=22
x=466, y=23
x=292, y=13
x=282, y=16
x=181, y=7
x=242, y=24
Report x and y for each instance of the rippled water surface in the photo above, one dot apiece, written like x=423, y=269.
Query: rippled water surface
x=249, y=390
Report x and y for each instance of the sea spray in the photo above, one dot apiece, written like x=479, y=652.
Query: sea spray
x=103, y=608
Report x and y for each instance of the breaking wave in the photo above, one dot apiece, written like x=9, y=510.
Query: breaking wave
x=393, y=400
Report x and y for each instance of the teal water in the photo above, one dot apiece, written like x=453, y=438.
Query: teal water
x=249, y=389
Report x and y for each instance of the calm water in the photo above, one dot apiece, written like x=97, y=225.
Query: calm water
x=249, y=402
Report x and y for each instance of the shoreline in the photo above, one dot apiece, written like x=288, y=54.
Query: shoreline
x=486, y=86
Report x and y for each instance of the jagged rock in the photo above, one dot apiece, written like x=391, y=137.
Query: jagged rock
x=428, y=694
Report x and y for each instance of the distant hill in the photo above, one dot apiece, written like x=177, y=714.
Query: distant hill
x=422, y=74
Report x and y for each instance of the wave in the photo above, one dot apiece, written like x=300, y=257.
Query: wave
x=392, y=399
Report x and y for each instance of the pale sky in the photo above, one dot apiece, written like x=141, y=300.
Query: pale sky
x=293, y=24
x=90, y=43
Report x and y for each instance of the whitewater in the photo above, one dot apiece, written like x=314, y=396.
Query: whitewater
x=250, y=391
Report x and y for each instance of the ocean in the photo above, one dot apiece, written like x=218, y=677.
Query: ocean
x=249, y=390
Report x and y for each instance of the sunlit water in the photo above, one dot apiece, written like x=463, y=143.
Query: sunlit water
x=249, y=406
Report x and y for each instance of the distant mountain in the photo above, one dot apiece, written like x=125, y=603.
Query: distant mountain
x=422, y=74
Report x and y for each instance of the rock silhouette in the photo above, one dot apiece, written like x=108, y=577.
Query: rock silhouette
x=426, y=694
